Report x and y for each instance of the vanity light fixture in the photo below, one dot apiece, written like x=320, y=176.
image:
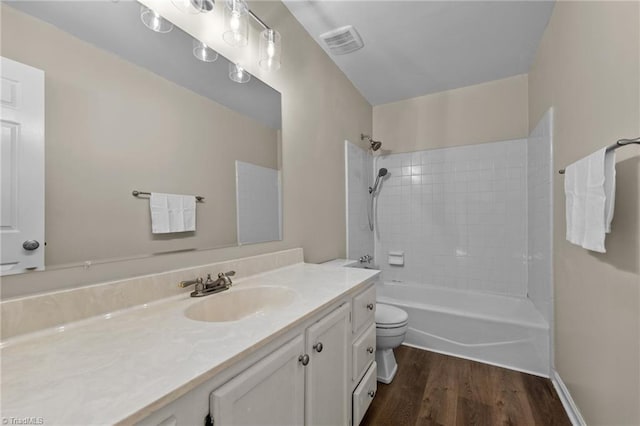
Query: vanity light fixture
x=238, y=74
x=204, y=52
x=236, y=34
x=152, y=20
x=236, y=26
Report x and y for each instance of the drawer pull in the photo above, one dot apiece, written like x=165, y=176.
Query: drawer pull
x=304, y=359
x=370, y=306
x=318, y=347
x=370, y=349
x=372, y=393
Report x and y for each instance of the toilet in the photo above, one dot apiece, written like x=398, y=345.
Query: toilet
x=391, y=327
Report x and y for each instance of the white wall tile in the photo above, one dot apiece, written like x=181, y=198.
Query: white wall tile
x=460, y=216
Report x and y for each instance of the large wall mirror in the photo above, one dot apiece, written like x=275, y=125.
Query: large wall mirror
x=129, y=109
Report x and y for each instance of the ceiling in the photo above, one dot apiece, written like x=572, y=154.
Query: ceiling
x=413, y=48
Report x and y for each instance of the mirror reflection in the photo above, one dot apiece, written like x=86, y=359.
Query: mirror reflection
x=126, y=109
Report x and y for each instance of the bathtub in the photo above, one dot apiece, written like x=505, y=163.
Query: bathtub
x=504, y=331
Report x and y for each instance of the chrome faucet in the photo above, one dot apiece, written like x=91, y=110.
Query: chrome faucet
x=367, y=258
x=204, y=288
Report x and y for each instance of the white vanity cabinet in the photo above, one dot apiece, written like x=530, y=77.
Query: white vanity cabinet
x=275, y=391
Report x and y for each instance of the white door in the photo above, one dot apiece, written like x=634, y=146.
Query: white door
x=327, y=399
x=271, y=392
x=21, y=168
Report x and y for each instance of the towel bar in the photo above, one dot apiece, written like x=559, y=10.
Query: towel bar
x=618, y=144
x=136, y=193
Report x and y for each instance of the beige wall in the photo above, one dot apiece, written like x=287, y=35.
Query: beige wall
x=486, y=112
x=321, y=109
x=112, y=127
x=588, y=68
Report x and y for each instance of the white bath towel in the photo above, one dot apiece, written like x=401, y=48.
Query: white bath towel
x=590, y=187
x=172, y=213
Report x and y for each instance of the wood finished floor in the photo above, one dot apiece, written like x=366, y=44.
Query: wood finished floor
x=434, y=389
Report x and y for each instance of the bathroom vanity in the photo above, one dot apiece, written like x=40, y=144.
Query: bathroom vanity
x=293, y=345
x=322, y=372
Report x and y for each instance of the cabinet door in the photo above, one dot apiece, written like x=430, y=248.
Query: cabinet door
x=327, y=398
x=271, y=392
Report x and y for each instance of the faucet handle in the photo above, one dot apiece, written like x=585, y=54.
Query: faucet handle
x=184, y=284
x=224, y=277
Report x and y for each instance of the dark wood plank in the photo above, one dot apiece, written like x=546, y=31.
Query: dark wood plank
x=546, y=406
x=440, y=398
x=510, y=399
x=473, y=413
x=432, y=389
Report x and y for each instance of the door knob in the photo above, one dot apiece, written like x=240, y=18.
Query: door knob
x=372, y=394
x=304, y=359
x=370, y=349
x=30, y=245
x=318, y=347
x=370, y=306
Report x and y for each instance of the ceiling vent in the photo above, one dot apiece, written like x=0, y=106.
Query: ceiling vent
x=342, y=40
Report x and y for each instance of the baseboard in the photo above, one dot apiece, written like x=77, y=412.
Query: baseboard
x=567, y=402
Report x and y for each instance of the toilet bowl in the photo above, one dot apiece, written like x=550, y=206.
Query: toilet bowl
x=391, y=327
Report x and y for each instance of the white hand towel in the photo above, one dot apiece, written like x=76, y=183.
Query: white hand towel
x=590, y=196
x=172, y=213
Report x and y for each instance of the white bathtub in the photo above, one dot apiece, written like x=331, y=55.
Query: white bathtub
x=504, y=331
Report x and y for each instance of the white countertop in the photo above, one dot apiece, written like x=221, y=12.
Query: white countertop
x=112, y=368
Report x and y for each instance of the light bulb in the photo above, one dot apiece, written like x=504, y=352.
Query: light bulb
x=234, y=23
x=271, y=49
x=155, y=21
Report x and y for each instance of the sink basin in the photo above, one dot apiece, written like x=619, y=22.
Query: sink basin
x=234, y=305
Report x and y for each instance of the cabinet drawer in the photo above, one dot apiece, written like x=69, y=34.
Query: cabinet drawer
x=364, y=308
x=364, y=352
x=364, y=394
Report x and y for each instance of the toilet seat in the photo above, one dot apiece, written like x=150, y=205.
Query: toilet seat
x=388, y=316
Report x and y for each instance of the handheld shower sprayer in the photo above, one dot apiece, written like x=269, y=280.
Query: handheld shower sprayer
x=373, y=191
x=381, y=173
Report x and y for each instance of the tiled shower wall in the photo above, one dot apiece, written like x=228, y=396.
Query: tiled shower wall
x=460, y=216
x=358, y=166
x=539, y=174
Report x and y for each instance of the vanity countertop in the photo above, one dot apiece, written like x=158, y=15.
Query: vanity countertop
x=117, y=367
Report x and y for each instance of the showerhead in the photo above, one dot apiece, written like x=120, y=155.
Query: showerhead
x=373, y=145
x=382, y=172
